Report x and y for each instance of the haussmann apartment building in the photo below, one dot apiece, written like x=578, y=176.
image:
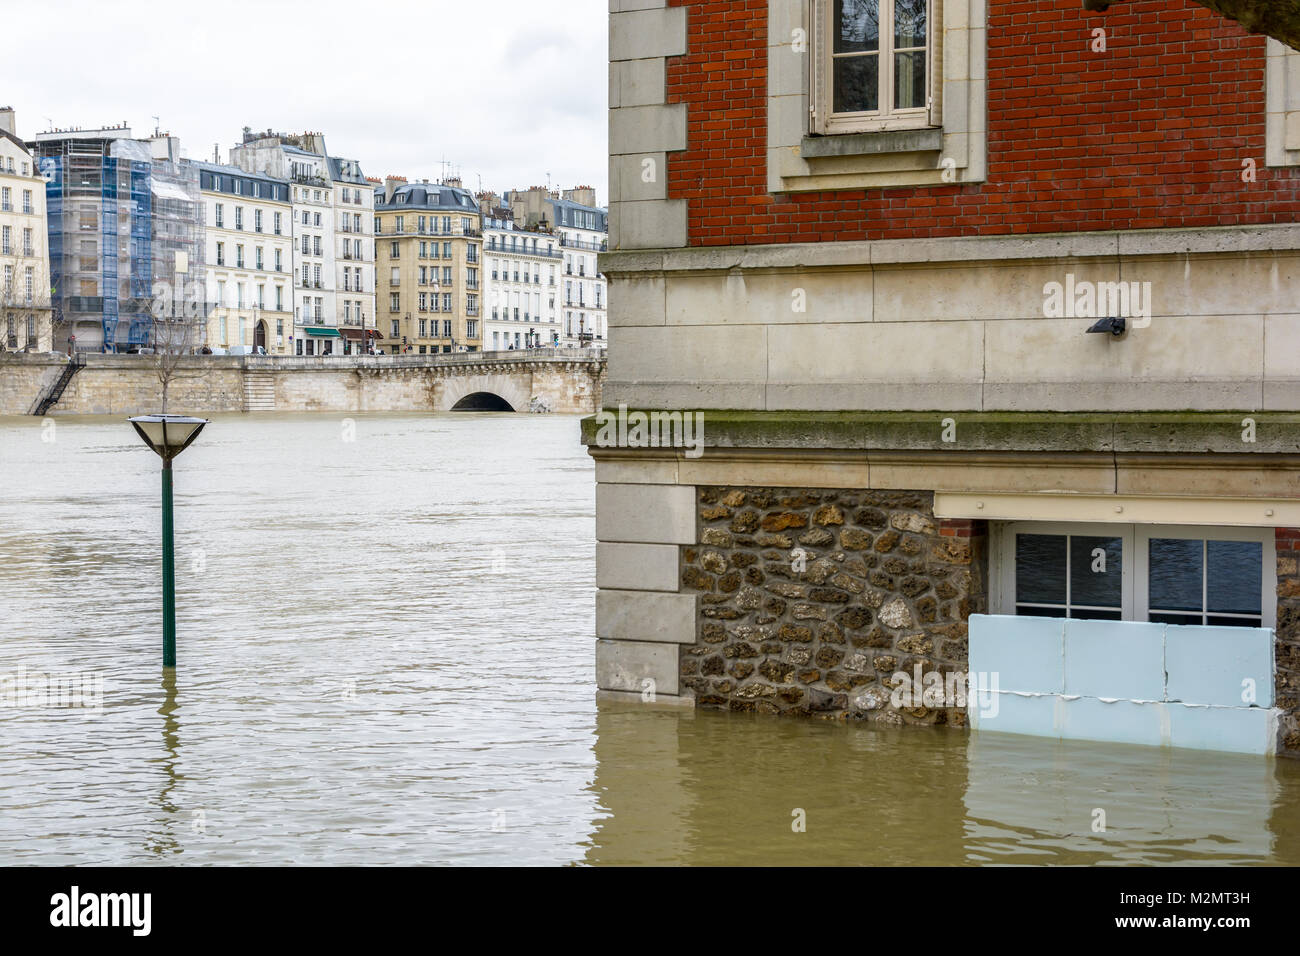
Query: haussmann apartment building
x=428, y=262
x=25, y=313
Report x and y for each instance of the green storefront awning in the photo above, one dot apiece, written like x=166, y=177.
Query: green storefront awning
x=328, y=333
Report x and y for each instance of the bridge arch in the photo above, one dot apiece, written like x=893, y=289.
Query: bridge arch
x=488, y=392
x=483, y=402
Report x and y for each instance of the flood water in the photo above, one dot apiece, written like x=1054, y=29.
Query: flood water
x=385, y=655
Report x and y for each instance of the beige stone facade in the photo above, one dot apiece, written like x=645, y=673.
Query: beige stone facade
x=25, y=312
x=800, y=327
x=249, y=235
x=428, y=268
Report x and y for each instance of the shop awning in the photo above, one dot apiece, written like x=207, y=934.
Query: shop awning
x=327, y=333
x=354, y=335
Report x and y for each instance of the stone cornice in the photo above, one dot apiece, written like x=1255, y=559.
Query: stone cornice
x=1219, y=240
x=1157, y=436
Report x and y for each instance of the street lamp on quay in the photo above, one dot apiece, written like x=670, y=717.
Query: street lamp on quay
x=168, y=435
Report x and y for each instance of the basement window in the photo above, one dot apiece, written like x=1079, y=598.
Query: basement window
x=1220, y=577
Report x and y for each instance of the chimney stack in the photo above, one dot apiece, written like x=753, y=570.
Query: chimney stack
x=7, y=120
x=390, y=186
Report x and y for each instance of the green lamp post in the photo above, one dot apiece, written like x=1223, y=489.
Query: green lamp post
x=168, y=435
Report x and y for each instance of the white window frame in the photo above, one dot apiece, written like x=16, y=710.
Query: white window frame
x=821, y=84
x=1268, y=578
x=1134, y=556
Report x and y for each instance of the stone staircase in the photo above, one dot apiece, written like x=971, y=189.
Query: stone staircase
x=259, y=391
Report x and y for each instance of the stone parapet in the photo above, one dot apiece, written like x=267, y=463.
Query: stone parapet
x=567, y=381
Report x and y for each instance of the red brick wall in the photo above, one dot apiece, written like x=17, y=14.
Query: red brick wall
x=1151, y=133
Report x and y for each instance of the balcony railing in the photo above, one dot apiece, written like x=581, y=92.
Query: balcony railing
x=427, y=233
x=594, y=246
x=505, y=250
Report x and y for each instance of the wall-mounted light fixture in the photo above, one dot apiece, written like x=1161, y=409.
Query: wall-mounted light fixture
x=1115, y=326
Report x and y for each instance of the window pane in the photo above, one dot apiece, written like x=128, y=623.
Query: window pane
x=856, y=25
x=1234, y=621
x=1029, y=611
x=1087, y=614
x=1040, y=569
x=1235, y=576
x=1175, y=576
x=857, y=84
x=1096, y=572
x=1157, y=617
x=909, y=80
x=909, y=23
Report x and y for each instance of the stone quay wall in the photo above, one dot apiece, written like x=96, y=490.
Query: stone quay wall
x=564, y=381
x=810, y=601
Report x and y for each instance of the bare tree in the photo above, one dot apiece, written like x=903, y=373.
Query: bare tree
x=20, y=316
x=178, y=329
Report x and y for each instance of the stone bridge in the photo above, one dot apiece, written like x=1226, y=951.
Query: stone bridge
x=561, y=380
x=556, y=380
x=566, y=381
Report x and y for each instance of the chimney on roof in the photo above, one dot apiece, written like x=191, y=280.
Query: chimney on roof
x=582, y=195
x=390, y=186
x=7, y=120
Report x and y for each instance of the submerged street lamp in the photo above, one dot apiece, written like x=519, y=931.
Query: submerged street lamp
x=168, y=435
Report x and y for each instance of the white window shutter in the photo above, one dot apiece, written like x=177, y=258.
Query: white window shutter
x=935, y=28
x=818, y=65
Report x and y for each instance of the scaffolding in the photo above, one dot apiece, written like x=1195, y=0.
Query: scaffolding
x=120, y=223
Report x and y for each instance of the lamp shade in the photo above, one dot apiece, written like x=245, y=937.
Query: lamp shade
x=168, y=435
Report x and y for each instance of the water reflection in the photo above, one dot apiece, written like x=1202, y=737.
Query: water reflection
x=709, y=788
x=162, y=842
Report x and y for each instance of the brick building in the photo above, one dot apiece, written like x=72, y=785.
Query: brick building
x=985, y=316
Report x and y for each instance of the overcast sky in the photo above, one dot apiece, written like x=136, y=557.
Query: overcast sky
x=508, y=90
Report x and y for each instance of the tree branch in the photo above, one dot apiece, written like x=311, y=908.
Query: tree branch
x=1279, y=19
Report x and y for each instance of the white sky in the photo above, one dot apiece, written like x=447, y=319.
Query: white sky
x=504, y=89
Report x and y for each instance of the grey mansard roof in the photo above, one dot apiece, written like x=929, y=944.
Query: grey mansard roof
x=427, y=196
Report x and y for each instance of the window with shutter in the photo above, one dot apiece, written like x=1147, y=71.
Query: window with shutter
x=875, y=93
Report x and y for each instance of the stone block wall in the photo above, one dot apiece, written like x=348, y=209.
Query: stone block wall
x=129, y=385
x=23, y=378
x=811, y=600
